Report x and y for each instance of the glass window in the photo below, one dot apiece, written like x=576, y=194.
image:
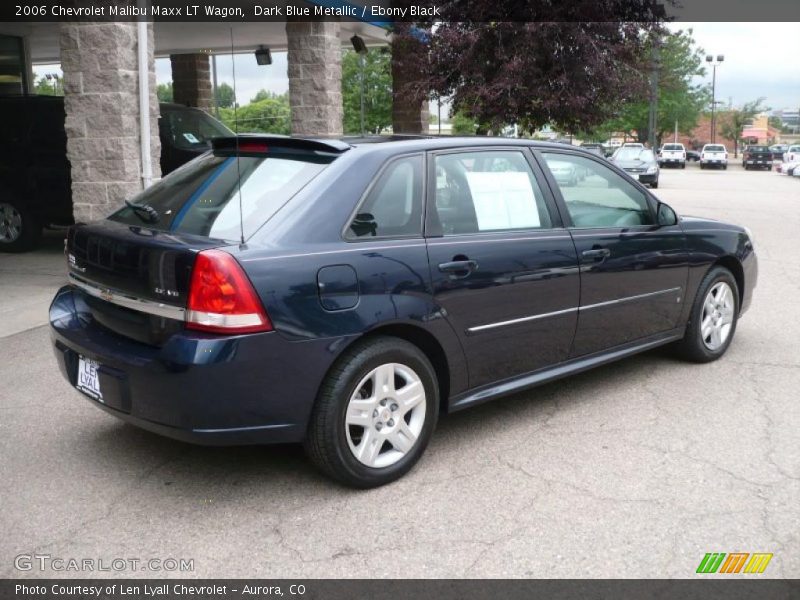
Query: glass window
x=191, y=129
x=13, y=80
x=393, y=207
x=487, y=191
x=595, y=195
x=202, y=196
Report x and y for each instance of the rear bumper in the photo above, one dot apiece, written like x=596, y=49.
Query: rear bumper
x=247, y=389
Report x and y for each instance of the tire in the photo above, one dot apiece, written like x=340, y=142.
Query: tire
x=702, y=166
x=654, y=185
x=683, y=165
x=19, y=228
x=724, y=167
x=334, y=437
x=696, y=346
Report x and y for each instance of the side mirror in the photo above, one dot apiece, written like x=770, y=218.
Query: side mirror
x=665, y=215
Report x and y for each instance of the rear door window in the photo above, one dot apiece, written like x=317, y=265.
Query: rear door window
x=202, y=197
x=393, y=205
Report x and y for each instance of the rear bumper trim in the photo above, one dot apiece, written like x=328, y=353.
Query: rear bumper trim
x=119, y=298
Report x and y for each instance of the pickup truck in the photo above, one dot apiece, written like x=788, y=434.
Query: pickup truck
x=757, y=157
x=672, y=154
x=792, y=154
x=714, y=155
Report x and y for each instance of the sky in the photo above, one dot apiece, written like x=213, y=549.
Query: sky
x=758, y=62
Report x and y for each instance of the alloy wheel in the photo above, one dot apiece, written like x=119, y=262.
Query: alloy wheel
x=10, y=223
x=718, y=313
x=385, y=415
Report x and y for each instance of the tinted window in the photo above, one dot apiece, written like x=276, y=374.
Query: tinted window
x=595, y=195
x=715, y=148
x=393, y=206
x=191, y=129
x=487, y=191
x=672, y=147
x=202, y=197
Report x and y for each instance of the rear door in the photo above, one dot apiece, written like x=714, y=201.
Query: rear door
x=503, y=269
x=633, y=272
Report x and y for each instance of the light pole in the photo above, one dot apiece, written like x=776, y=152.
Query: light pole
x=714, y=65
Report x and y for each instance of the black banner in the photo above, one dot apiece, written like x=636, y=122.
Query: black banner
x=728, y=588
x=385, y=12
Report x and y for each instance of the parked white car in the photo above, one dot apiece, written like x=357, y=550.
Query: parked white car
x=672, y=154
x=792, y=154
x=714, y=155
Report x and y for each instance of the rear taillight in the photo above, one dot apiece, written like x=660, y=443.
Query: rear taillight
x=221, y=297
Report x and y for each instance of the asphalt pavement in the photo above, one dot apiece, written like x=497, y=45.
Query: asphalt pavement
x=637, y=469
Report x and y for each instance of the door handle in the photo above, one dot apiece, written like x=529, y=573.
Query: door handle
x=460, y=268
x=596, y=253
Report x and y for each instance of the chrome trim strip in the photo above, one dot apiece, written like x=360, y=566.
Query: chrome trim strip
x=119, y=298
x=565, y=311
x=521, y=320
x=629, y=298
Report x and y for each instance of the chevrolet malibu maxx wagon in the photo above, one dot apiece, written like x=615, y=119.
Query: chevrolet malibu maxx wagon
x=344, y=293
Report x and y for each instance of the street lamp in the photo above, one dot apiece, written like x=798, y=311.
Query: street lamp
x=714, y=65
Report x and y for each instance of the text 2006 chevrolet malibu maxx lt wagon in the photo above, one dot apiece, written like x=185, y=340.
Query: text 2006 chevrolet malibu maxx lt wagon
x=343, y=294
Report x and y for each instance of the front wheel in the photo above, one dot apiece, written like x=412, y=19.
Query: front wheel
x=375, y=413
x=713, y=319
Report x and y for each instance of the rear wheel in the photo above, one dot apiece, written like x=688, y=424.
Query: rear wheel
x=712, y=323
x=375, y=413
x=19, y=229
x=654, y=185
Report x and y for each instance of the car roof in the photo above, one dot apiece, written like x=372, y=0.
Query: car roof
x=397, y=143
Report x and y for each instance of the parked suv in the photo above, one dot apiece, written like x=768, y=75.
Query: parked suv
x=714, y=155
x=672, y=154
x=35, y=172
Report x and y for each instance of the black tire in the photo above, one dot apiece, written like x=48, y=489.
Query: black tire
x=326, y=441
x=24, y=237
x=692, y=346
x=683, y=165
x=654, y=185
x=702, y=166
x=724, y=167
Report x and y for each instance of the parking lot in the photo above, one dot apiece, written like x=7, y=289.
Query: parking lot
x=633, y=470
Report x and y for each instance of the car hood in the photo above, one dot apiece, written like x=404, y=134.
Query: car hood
x=689, y=223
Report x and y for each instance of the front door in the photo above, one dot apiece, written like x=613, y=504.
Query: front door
x=633, y=271
x=503, y=269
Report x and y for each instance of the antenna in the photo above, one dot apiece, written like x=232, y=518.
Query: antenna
x=236, y=124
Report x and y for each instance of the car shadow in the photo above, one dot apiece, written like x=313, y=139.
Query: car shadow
x=165, y=462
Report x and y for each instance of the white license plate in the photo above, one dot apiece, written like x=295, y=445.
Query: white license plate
x=89, y=378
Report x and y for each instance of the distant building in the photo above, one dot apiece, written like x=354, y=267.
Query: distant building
x=760, y=132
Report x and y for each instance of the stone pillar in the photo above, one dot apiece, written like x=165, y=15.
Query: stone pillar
x=101, y=97
x=191, y=80
x=409, y=102
x=315, y=78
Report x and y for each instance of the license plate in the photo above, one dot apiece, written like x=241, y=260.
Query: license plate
x=88, y=378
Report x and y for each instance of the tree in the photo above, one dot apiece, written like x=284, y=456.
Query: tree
x=164, y=92
x=733, y=123
x=225, y=97
x=377, y=91
x=679, y=99
x=463, y=125
x=569, y=65
x=267, y=113
x=48, y=87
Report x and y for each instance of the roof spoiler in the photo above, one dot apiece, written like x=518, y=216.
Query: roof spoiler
x=279, y=141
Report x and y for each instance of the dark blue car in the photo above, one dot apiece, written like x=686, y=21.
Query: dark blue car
x=345, y=293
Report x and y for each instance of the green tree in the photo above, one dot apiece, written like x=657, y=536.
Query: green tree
x=679, y=99
x=377, y=91
x=225, y=97
x=733, y=123
x=48, y=87
x=463, y=125
x=164, y=92
x=267, y=114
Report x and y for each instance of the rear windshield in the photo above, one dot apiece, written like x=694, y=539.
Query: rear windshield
x=715, y=148
x=672, y=147
x=202, y=197
x=631, y=153
x=759, y=148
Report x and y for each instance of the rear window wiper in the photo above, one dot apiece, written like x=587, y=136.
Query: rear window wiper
x=145, y=212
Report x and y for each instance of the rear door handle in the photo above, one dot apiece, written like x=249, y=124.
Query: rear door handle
x=460, y=268
x=596, y=253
